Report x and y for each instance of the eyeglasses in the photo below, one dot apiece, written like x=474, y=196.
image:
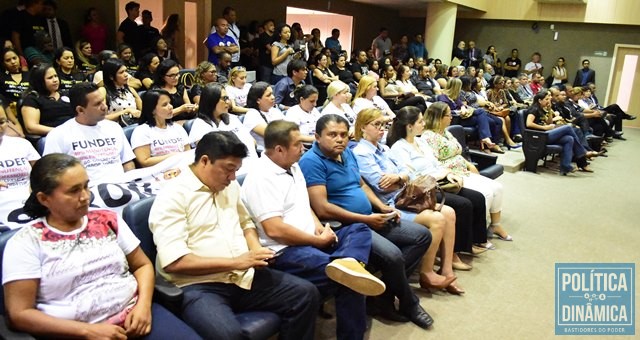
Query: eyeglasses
x=174, y=75
x=225, y=98
x=377, y=125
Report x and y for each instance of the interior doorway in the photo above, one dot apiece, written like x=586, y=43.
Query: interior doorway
x=325, y=21
x=624, y=80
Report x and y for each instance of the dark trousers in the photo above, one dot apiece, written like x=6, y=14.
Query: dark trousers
x=209, y=308
x=619, y=115
x=488, y=125
x=417, y=101
x=309, y=263
x=471, y=218
x=167, y=326
x=396, y=252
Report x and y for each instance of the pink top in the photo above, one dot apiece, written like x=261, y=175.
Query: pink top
x=96, y=35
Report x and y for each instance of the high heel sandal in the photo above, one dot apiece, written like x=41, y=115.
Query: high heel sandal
x=426, y=284
x=493, y=233
x=496, y=149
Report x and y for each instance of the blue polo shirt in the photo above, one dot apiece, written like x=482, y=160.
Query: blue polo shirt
x=342, y=180
x=215, y=39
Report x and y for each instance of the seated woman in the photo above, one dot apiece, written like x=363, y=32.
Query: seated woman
x=374, y=69
x=162, y=50
x=487, y=126
x=405, y=84
x=260, y=102
x=157, y=138
x=338, y=98
x=13, y=83
x=66, y=69
x=85, y=61
x=204, y=74
x=146, y=72
x=102, y=58
x=125, y=53
x=395, y=95
x=166, y=78
x=213, y=116
x=345, y=75
x=540, y=117
x=123, y=101
x=14, y=175
x=305, y=113
x=43, y=107
x=386, y=179
x=322, y=76
x=79, y=273
x=498, y=103
x=449, y=153
x=238, y=89
x=367, y=97
x=414, y=155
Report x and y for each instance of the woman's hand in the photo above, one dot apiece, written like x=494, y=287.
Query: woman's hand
x=550, y=127
x=138, y=322
x=388, y=180
x=472, y=168
x=3, y=185
x=135, y=113
x=105, y=331
x=188, y=108
x=455, y=179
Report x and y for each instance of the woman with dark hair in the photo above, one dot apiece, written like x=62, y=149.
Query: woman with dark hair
x=157, y=138
x=125, y=53
x=123, y=101
x=417, y=157
x=66, y=69
x=76, y=272
x=394, y=94
x=305, y=114
x=86, y=61
x=491, y=58
x=260, y=101
x=322, y=76
x=166, y=78
x=170, y=29
x=205, y=73
x=540, y=116
x=13, y=83
x=498, y=101
x=282, y=52
x=213, y=115
x=146, y=72
x=387, y=179
x=43, y=107
x=98, y=77
x=449, y=153
x=315, y=42
x=163, y=51
x=94, y=31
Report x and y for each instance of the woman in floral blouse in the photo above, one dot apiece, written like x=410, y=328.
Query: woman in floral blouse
x=449, y=152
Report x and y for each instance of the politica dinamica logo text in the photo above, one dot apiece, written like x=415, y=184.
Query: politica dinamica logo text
x=595, y=298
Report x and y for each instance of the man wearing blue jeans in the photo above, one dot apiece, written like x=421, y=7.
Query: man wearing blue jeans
x=337, y=192
x=208, y=246
x=275, y=194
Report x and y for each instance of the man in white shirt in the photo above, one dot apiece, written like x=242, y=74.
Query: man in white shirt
x=208, y=246
x=99, y=144
x=276, y=196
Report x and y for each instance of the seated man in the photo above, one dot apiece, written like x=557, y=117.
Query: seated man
x=276, y=196
x=98, y=143
x=283, y=90
x=425, y=84
x=337, y=192
x=208, y=246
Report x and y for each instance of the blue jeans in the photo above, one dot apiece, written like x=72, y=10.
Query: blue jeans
x=488, y=125
x=209, y=308
x=396, y=252
x=165, y=325
x=309, y=263
x=568, y=140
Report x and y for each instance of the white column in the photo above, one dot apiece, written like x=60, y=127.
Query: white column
x=439, y=30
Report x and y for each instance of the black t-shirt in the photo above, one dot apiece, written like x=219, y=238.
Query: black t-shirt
x=196, y=90
x=265, y=58
x=129, y=28
x=363, y=69
x=143, y=74
x=511, y=62
x=86, y=67
x=68, y=80
x=11, y=90
x=345, y=75
x=52, y=112
x=26, y=25
x=145, y=36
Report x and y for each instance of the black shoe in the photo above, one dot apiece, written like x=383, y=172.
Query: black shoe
x=629, y=117
x=419, y=316
x=385, y=310
x=619, y=137
x=517, y=138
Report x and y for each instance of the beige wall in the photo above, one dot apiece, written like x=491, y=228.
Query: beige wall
x=624, y=12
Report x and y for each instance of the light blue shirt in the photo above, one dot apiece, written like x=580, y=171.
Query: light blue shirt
x=374, y=162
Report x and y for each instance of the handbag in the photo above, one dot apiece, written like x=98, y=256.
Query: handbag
x=448, y=186
x=419, y=195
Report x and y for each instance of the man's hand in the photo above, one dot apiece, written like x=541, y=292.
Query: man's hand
x=376, y=221
x=326, y=238
x=254, y=258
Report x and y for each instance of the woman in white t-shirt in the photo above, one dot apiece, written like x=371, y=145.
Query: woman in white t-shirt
x=367, y=97
x=338, y=98
x=213, y=116
x=79, y=273
x=17, y=156
x=305, y=114
x=238, y=89
x=260, y=101
x=157, y=138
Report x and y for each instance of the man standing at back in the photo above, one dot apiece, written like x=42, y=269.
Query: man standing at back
x=128, y=27
x=333, y=44
x=381, y=45
x=584, y=75
x=417, y=48
x=219, y=41
x=208, y=246
x=229, y=14
x=275, y=194
x=99, y=144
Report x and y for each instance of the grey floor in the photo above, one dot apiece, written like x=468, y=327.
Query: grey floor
x=584, y=217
